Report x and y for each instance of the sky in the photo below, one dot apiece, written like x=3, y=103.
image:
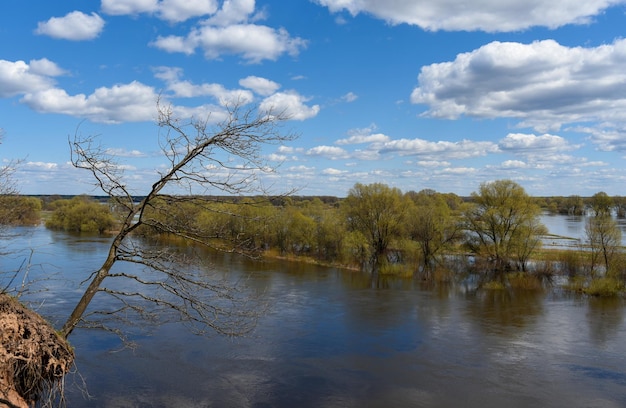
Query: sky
x=415, y=94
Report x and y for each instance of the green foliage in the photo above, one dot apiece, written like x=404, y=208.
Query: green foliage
x=20, y=210
x=432, y=224
x=378, y=212
x=80, y=214
x=494, y=285
x=605, y=287
x=524, y=280
x=601, y=204
x=503, y=224
x=604, y=238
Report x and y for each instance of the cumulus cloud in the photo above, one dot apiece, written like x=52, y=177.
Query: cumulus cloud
x=253, y=42
x=186, y=89
x=607, y=139
x=329, y=152
x=41, y=165
x=529, y=143
x=333, y=172
x=120, y=103
x=121, y=152
x=450, y=150
x=18, y=77
x=364, y=138
x=486, y=15
x=290, y=104
x=75, y=26
x=290, y=149
x=233, y=12
x=514, y=164
x=170, y=10
x=544, y=84
x=259, y=85
x=433, y=163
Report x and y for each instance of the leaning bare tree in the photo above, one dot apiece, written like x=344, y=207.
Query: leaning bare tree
x=202, y=158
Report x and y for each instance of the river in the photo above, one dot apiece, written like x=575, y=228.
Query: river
x=334, y=338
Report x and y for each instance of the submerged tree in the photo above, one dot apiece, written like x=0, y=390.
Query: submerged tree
x=605, y=239
x=377, y=212
x=433, y=226
x=202, y=158
x=503, y=224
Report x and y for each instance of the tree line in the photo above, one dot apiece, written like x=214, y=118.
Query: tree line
x=375, y=228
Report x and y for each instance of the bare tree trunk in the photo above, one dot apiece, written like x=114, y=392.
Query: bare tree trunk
x=190, y=148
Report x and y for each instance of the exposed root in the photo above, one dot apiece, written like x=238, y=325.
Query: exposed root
x=33, y=357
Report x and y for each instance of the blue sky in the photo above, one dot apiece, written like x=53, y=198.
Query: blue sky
x=437, y=94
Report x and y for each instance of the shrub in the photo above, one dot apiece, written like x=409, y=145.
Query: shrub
x=604, y=287
x=80, y=214
x=20, y=210
x=494, y=285
x=522, y=280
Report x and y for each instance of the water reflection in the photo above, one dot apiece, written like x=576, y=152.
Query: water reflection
x=605, y=317
x=505, y=312
x=335, y=338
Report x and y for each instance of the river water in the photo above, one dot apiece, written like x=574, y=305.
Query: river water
x=334, y=338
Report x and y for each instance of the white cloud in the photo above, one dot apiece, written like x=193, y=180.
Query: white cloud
x=290, y=104
x=458, y=170
x=300, y=169
x=170, y=10
x=364, y=138
x=186, y=89
x=120, y=103
x=233, y=12
x=433, y=163
x=121, y=152
x=290, y=149
x=363, y=135
x=181, y=10
x=514, y=164
x=46, y=67
x=529, y=143
x=254, y=43
x=449, y=150
x=75, y=26
x=607, y=139
x=350, y=97
x=123, y=7
x=484, y=15
x=333, y=172
x=330, y=152
x=259, y=85
x=19, y=77
x=544, y=84
x=41, y=165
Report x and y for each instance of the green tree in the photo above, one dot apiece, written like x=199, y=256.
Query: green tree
x=601, y=204
x=433, y=226
x=80, y=214
x=605, y=238
x=378, y=213
x=20, y=210
x=620, y=206
x=503, y=224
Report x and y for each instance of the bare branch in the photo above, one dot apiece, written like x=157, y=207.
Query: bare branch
x=225, y=157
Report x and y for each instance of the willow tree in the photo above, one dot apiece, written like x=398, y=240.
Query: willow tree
x=202, y=157
x=377, y=212
x=605, y=241
x=503, y=224
x=433, y=225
